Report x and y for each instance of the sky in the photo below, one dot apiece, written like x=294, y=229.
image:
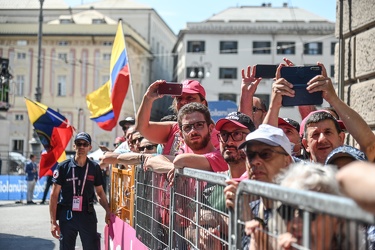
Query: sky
x=176, y=13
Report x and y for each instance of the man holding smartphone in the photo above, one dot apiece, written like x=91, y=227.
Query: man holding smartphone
x=354, y=123
x=169, y=132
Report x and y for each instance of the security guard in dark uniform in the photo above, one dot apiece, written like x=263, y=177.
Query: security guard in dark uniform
x=77, y=179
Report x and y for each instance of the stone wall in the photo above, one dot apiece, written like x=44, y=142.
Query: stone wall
x=359, y=35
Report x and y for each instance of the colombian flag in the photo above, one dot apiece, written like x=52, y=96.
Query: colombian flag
x=105, y=103
x=54, y=133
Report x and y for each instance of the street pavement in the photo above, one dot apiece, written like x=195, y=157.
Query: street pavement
x=28, y=226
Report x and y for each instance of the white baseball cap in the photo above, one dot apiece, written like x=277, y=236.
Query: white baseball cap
x=269, y=135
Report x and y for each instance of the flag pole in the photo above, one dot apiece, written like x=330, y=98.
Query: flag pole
x=130, y=76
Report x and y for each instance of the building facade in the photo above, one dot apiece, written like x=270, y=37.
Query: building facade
x=75, y=59
x=358, y=60
x=217, y=49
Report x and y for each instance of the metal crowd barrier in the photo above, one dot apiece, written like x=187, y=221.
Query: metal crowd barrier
x=199, y=218
x=346, y=225
x=191, y=214
x=151, y=216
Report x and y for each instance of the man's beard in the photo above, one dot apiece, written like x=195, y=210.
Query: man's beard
x=234, y=159
x=198, y=146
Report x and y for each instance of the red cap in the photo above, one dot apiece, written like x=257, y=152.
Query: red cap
x=193, y=87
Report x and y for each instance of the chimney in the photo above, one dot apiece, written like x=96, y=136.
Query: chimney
x=285, y=5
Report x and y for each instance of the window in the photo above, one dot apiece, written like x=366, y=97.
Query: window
x=18, y=117
x=195, y=46
x=107, y=43
x=195, y=72
x=332, y=71
x=21, y=55
x=333, y=45
x=66, y=20
x=228, y=47
x=22, y=42
x=227, y=73
x=98, y=21
x=63, y=56
x=61, y=86
x=262, y=47
x=20, y=83
x=17, y=146
x=104, y=143
x=315, y=48
x=106, y=56
x=63, y=43
x=286, y=48
x=228, y=97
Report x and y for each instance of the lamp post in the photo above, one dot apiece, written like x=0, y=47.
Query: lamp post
x=200, y=69
x=38, y=93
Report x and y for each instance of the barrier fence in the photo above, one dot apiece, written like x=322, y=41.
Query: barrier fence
x=191, y=213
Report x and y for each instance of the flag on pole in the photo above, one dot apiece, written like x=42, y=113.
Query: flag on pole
x=54, y=132
x=105, y=103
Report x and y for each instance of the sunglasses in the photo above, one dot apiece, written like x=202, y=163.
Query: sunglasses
x=125, y=128
x=137, y=140
x=84, y=144
x=148, y=147
x=223, y=136
x=196, y=125
x=255, y=109
x=265, y=154
x=288, y=213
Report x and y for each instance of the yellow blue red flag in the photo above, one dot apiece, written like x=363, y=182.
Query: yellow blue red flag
x=105, y=103
x=54, y=132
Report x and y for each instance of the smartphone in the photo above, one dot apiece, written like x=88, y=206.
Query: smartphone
x=170, y=88
x=299, y=76
x=265, y=70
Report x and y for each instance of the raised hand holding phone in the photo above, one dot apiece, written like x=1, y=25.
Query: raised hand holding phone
x=299, y=76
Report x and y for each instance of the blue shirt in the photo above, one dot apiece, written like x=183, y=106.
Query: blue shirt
x=30, y=175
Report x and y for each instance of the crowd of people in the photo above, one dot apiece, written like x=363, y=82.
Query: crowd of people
x=252, y=143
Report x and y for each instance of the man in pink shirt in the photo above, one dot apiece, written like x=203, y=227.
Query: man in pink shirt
x=195, y=124
x=168, y=133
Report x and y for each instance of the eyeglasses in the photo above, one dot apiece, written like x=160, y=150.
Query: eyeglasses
x=84, y=144
x=148, y=147
x=137, y=140
x=197, y=126
x=255, y=109
x=124, y=128
x=223, y=136
x=288, y=213
x=265, y=154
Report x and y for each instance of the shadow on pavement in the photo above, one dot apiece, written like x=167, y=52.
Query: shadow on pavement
x=11, y=241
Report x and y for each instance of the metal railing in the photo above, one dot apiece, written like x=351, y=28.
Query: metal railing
x=191, y=213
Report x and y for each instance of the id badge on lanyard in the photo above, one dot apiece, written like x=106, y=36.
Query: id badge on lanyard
x=78, y=199
x=77, y=203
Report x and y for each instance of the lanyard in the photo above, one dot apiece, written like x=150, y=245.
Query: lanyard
x=84, y=179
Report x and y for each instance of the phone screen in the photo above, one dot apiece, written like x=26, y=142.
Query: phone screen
x=170, y=88
x=299, y=77
x=265, y=70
